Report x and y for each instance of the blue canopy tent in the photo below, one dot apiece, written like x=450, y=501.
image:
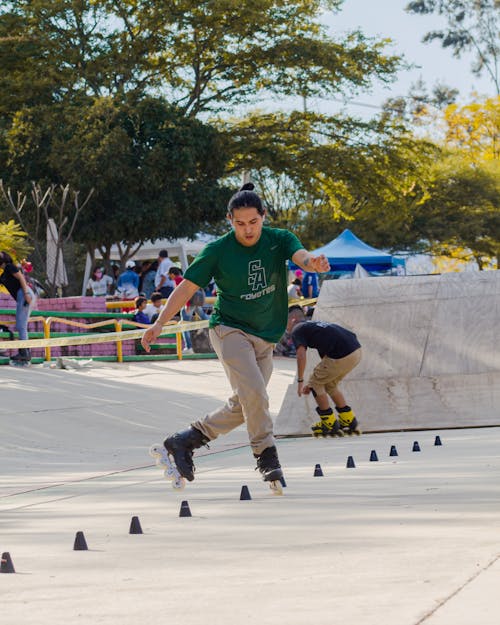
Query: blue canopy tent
x=347, y=251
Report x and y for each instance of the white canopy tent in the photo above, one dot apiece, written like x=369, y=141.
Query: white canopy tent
x=177, y=248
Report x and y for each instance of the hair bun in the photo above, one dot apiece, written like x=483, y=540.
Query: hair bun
x=248, y=186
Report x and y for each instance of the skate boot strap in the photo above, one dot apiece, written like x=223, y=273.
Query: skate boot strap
x=346, y=415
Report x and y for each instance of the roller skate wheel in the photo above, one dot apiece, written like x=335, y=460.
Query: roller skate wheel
x=155, y=451
x=276, y=487
x=178, y=482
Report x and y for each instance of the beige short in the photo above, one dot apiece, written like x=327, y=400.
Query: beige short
x=330, y=371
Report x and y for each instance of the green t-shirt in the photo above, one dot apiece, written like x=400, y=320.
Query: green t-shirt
x=251, y=281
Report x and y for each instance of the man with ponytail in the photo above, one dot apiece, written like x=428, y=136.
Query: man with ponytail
x=249, y=317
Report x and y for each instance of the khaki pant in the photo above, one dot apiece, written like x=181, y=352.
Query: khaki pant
x=248, y=363
x=330, y=371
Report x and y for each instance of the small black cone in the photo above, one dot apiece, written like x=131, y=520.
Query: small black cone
x=283, y=483
x=373, y=456
x=7, y=565
x=80, y=542
x=135, y=526
x=185, y=511
x=245, y=494
x=394, y=451
x=437, y=441
x=416, y=446
x=350, y=463
x=318, y=472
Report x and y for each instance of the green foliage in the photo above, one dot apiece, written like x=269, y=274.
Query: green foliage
x=462, y=208
x=320, y=174
x=12, y=240
x=154, y=172
x=104, y=94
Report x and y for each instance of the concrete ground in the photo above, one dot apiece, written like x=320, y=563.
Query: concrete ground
x=402, y=541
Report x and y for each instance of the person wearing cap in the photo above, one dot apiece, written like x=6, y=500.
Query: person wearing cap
x=128, y=281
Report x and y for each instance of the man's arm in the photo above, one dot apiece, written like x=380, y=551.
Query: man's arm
x=179, y=296
x=306, y=261
x=301, y=367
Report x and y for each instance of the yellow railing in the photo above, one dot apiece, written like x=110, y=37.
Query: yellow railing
x=118, y=336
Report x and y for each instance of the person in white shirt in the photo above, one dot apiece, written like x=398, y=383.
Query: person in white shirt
x=163, y=284
x=294, y=291
x=153, y=309
x=100, y=283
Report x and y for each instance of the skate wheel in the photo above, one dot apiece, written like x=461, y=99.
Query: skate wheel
x=276, y=487
x=178, y=483
x=154, y=451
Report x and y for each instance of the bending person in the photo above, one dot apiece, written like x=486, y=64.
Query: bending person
x=340, y=352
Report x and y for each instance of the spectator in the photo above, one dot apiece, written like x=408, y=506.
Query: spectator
x=153, y=310
x=175, y=275
x=99, y=283
x=115, y=274
x=14, y=281
x=294, y=291
x=128, y=282
x=163, y=284
x=193, y=307
x=310, y=288
x=147, y=278
x=139, y=315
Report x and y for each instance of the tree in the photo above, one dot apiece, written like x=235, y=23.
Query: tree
x=320, y=174
x=475, y=129
x=55, y=210
x=472, y=26
x=208, y=55
x=155, y=172
x=111, y=93
x=461, y=213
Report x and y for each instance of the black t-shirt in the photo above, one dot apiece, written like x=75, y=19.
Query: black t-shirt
x=328, y=338
x=10, y=282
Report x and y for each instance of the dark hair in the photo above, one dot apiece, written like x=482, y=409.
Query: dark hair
x=140, y=300
x=175, y=270
x=296, y=311
x=163, y=254
x=246, y=198
x=156, y=296
x=5, y=258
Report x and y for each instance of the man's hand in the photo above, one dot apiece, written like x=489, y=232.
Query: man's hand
x=320, y=263
x=303, y=390
x=150, y=335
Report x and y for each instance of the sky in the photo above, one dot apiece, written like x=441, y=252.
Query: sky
x=388, y=19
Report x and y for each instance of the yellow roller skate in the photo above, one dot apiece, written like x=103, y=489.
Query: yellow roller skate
x=348, y=422
x=327, y=426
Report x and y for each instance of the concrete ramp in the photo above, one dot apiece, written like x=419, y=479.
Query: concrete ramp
x=431, y=352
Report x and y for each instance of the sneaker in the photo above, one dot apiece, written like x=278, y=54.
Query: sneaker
x=187, y=350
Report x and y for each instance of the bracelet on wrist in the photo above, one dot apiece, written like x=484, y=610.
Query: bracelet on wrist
x=300, y=379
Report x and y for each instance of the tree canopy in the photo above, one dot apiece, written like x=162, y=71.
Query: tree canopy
x=471, y=26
